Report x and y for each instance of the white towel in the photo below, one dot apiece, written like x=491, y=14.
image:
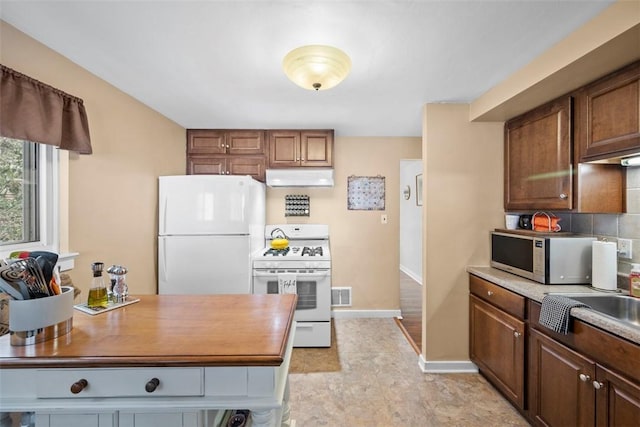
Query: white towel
x=287, y=283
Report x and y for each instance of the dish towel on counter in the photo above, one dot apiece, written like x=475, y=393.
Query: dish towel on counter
x=555, y=312
x=287, y=283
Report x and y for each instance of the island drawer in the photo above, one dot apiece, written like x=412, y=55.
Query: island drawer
x=56, y=383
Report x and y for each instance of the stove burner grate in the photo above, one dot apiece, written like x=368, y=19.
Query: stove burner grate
x=277, y=252
x=312, y=251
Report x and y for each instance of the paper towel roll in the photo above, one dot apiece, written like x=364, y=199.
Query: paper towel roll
x=604, y=265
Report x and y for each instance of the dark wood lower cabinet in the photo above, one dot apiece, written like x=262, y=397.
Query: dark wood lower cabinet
x=617, y=400
x=497, y=347
x=568, y=389
x=560, y=389
x=588, y=377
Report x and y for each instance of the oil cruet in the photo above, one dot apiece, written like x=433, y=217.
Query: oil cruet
x=98, y=291
x=119, y=289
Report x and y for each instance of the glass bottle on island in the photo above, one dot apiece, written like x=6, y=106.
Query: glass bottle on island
x=98, y=292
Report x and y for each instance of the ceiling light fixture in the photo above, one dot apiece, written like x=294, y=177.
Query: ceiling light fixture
x=316, y=67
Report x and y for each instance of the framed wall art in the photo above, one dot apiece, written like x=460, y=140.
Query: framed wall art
x=365, y=193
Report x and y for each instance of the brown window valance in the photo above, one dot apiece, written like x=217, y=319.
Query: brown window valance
x=34, y=111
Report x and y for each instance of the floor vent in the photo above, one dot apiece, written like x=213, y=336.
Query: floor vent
x=341, y=297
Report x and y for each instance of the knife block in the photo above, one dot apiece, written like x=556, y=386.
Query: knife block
x=36, y=320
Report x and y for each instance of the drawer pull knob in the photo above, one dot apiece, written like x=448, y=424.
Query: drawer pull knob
x=517, y=334
x=78, y=386
x=597, y=385
x=489, y=293
x=152, y=385
x=584, y=378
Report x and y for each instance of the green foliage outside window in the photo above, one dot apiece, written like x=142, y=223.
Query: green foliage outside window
x=11, y=191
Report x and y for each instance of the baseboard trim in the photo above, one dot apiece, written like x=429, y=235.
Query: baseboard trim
x=356, y=314
x=447, y=367
x=411, y=274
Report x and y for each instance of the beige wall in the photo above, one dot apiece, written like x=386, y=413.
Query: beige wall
x=463, y=190
x=365, y=253
x=112, y=193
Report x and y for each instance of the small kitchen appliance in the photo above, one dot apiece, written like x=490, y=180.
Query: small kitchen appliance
x=208, y=227
x=302, y=267
x=550, y=260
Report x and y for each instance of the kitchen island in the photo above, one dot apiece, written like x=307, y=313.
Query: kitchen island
x=167, y=360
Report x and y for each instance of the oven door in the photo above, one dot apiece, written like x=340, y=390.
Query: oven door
x=313, y=287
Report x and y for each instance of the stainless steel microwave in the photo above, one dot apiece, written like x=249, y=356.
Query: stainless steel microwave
x=549, y=260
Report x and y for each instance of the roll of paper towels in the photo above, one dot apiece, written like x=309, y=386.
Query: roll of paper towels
x=604, y=265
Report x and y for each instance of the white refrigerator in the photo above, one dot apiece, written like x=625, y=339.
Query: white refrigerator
x=208, y=227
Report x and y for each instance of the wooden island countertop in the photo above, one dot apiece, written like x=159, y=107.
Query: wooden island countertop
x=166, y=331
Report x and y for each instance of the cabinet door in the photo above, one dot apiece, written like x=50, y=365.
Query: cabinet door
x=284, y=148
x=206, y=141
x=538, y=161
x=206, y=165
x=609, y=113
x=617, y=400
x=245, y=142
x=316, y=148
x=247, y=165
x=497, y=347
x=561, y=392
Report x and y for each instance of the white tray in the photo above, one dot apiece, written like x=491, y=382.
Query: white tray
x=111, y=306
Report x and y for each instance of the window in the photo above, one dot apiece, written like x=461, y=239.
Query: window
x=28, y=196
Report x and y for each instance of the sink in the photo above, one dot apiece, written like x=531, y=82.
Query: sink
x=620, y=307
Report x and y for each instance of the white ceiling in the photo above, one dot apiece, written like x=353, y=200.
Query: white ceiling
x=217, y=64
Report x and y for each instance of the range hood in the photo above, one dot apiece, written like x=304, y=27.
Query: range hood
x=300, y=177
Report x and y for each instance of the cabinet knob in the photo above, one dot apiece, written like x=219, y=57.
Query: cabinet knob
x=584, y=378
x=152, y=385
x=78, y=386
x=597, y=385
x=228, y=172
x=489, y=293
x=563, y=196
x=227, y=145
x=517, y=334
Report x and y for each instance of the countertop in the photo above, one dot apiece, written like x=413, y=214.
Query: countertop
x=536, y=291
x=168, y=330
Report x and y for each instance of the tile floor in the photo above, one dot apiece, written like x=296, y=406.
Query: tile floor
x=370, y=377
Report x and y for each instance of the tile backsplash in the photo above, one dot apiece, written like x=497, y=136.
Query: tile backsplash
x=612, y=227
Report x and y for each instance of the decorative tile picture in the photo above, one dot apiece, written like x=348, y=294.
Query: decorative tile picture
x=365, y=193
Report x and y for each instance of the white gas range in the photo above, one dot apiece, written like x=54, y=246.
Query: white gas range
x=303, y=268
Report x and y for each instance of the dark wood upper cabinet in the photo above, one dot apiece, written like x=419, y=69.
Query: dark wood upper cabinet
x=226, y=152
x=538, y=158
x=220, y=141
x=300, y=148
x=608, y=115
x=556, y=154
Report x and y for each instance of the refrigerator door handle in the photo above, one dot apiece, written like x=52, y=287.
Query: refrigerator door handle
x=163, y=215
x=163, y=251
